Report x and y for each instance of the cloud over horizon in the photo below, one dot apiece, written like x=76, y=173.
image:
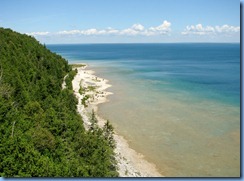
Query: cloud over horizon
x=139, y=33
x=38, y=33
x=135, y=29
x=200, y=30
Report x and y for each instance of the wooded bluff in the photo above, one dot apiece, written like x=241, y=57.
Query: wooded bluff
x=41, y=134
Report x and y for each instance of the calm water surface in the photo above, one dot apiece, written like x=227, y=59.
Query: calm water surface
x=178, y=104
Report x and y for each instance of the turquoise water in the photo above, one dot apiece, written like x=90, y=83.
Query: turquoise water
x=178, y=104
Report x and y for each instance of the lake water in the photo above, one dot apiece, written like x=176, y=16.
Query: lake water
x=177, y=104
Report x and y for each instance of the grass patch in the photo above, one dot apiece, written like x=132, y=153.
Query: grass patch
x=91, y=88
x=77, y=65
x=85, y=98
x=81, y=90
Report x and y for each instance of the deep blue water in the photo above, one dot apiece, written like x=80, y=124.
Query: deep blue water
x=208, y=71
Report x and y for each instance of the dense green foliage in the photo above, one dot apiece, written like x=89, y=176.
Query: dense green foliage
x=41, y=133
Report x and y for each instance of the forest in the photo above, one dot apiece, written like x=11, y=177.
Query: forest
x=41, y=133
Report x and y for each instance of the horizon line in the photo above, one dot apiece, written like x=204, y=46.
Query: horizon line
x=144, y=43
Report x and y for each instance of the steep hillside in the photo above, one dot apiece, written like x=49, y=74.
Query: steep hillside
x=41, y=133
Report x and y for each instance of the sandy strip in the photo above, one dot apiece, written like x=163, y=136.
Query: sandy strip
x=130, y=163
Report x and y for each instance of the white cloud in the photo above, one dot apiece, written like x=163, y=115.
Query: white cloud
x=227, y=28
x=88, y=32
x=139, y=30
x=72, y=32
x=129, y=31
x=199, y=27
x=152, y=31
x=200, y=30
x=38, y=33
x=112, y=31
x=135, y=29
x=162, y=29
x=91, y=31
x=149, y=33
x=209, y=29
x=138, y=27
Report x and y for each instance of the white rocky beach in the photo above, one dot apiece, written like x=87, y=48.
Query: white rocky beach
x=130, y=163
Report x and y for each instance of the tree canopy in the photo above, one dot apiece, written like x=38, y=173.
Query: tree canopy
x=41, y=133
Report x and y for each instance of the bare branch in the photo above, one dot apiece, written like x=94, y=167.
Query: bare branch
x=1, y=74
x=12, y=134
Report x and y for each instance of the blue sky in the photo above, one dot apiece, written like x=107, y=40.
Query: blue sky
x=124, y=21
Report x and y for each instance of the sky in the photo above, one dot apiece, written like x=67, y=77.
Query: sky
x=123, y=21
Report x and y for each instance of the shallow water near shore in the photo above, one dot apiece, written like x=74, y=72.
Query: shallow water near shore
x=177, y=104
x=183, y=136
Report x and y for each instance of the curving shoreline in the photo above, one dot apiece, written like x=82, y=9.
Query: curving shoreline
x=130, y=163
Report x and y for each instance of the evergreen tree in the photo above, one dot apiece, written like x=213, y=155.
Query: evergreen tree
x=41, y=133
x=93, y=121
x=108, y=134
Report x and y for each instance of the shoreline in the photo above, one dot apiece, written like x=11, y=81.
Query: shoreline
x=129, y=162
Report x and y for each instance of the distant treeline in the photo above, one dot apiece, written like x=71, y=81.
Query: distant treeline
x=41, y=134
